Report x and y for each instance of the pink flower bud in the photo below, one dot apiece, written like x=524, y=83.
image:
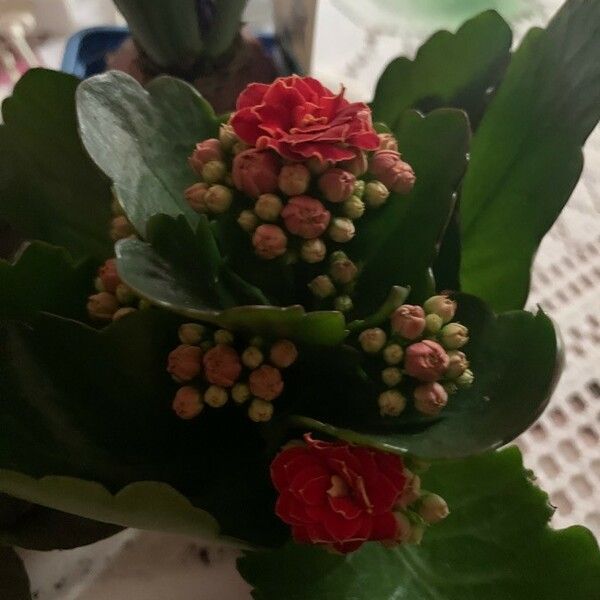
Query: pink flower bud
x=120, y=228
x=294, y=179
x=218, y=198
x=185, y=362
x=389, y=168
x=343, y=271
x=430, y=398
x=357, y=166
x=342, y=230
x=205, y=152
x=283, y=353
x=187, y=403
x=102, y=306
x=408, y=321
x=269, y=241
x=442, y=306
x=255, y=172
x=194, y=196
x=337, y=185
x=387, y=142
x=458, y=364
x=266, y=383
x=433, y=508
x=109, y=275
x=426, y=361
x=305, y=216
x=222, y=366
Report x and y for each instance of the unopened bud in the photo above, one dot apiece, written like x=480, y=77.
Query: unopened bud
x=458, y=364
x=123, y=312
x=387, y=142
x=187, y=403
x=393, y=354
x=102, y=306
x=441, y=305
x=416, y=533
x=125, y=295
x=343, y=271
x=268, y=207
x=391, y=376
x=316, y=166
x=376, y=194
x=430, y=398
x=218, y=198
x=372, y=340
x=239, y=147
x=194, y=196
x=466, y=379
x=337, y=185
x=433, y=508
x=404, y=529
x=227, y=136
x=454, y=336
x=213, y=171
x=248, y=221
x=433, y=323
x=99, y=285
x=252, y=357
x=391, y=403
x=260, y=411
x=343, y=303
x=240, y=392
x=222, y=336
x=191, y=333
x=359, y=188
x=313, y=251
x=120, y=228
x=283, y=353
x=215, y=396
x=341, y=230
x=411, y=492
x=322, y=286
x=294, y=179
x=353, y=208
x=450, y=387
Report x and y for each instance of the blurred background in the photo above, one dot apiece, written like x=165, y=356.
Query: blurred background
x=337, y=41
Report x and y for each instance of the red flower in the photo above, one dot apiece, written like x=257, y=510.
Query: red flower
x=338, y=494
x=301, y=119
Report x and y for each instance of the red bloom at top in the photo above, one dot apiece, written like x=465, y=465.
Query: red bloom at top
x=338, y=494
x=300, y=119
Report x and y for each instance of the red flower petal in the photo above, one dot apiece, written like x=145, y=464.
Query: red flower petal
x=302, y=483
x=347, y=547
x=383, y=494
x=287, y=464
x=384, y=527
x=341, y=528
x=345, y=506
x=252, y=95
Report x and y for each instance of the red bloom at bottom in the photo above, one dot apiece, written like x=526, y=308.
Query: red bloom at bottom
x=338, y=494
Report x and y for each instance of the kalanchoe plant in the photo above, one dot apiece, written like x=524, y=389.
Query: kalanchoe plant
x=301, y=341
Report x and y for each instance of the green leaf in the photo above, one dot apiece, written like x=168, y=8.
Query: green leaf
x=44, y=278
x=399, y=241
x=141, y=138
x=49, y=188
x=526, y=156
x=495, y=545
x=450, y=70
x=395, y=298
x=226, y=26
x=14, y=582
x=516, y=361
x=87, y=413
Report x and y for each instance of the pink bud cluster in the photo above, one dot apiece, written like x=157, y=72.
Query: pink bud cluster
x=214, y=367
x=419, y=356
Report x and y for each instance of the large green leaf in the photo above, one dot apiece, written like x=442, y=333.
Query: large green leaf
x=516, y=361
x=44, y=277
x=226, y=26
x=495, y=545
x=14, y=582
x=399, y=241
x=86, y=413
x=49, y=188
x=455, y=70
x=141, y=138
x=526, y=156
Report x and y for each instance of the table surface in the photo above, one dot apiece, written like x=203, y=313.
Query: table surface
x=563, y=447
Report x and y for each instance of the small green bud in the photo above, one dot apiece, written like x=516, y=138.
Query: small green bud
x=466, y=379
x=215, y=396
x=393, y=354
x=341, y=230
x=213, y=171
x=252, y=357
x=125, y=295
x=372, y=340
x=391, y=376
x=322, y=286
x=359, y=188
x=343, y=303
x=227, y=136
x=240, y=392
x=191, y=333
x=441, y=305
x=404, y=530
x=376, y=194
x=454, y=336
x=337, y=255
x=391, y=403
x=218, y=198
x=268, y=207
x=222, y=336
x=248, y=221
x=417, y=531
x=433, y=323
x=353, y=208
x=260, y=411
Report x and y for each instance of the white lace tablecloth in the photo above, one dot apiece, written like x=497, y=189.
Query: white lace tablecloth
x=563, y=447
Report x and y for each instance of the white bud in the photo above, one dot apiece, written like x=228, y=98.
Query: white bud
x=222, y=336
x=466, y=379
x=268, y=207
x=391, y=403
x=372, y=340
x=313, y=251
x=341, y=230
x=260, y=411
x=433, y=508
x=391, y=376
x=454, y=336
x=433, y=323
x=124, y=294
x=376, y=194
x=240, y=392
x=218, y=198
x=393, y=354
x=191, y=333
x=213, y=171
x=215, y=396
x=442, y=306
x=353, y=208
x=252, y=357
x=458, y=364
x=322, y=286
x=248, y=221
x=343, y=303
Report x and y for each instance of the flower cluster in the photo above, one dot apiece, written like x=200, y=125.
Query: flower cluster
x=214, y=367
x=420, y=356
x=340, y=496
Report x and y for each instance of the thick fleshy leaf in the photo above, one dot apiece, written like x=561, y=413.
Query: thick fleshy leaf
x=526, y=156
x=450, y=70
x=14, y=582
x=399, y=241
x=80, y=404
x=516, y=361
x=495, y=545
x=44, y=278
x=49, y=188
x=141, y=138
